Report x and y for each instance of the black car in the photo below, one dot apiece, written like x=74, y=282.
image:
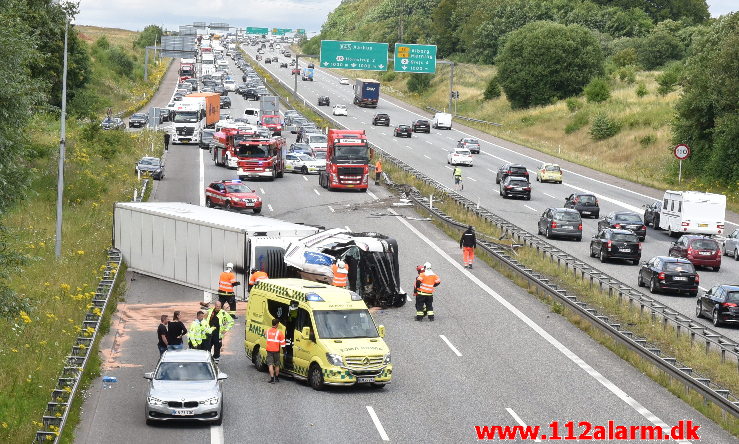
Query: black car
x=251, y=94
x=283, y=65
x=225, y=102
x=669, y=274
x=274, y=59
x=421, y=126
x=206, y=138
x=514, y=186
x=219, y=89
x=612, y=243
x=151, y=165
x=511, y=169
x=403, y=131
x=721, y=303
x=626, y=220
x=651, y=214
x=267, y=60
x=585, y=203
x=324, y=101
x=381, y=119
x=138, y=120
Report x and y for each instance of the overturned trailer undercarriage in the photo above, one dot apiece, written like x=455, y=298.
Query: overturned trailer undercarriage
x=372, y=259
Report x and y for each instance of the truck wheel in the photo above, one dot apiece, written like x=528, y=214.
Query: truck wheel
x=281, y=174
x=315, y=377
x=257, y=360
x=228, y=205
x=274, y=174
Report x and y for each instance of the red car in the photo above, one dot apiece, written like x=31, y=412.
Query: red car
x=700, y=251
x=232, y=195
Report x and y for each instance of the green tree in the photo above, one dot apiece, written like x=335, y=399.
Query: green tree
x=418, y=83
x=669, y=78
x=598, y=90
x=708, y=108
x=658, y=48
x=443, y=28
x=603, y=127
x=692, y=11
x=149, y=36
x=492, y=90
x=545, y=61
x=120, y=61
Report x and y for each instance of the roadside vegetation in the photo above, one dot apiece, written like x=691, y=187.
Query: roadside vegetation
x=43, y=299
x=619, y=109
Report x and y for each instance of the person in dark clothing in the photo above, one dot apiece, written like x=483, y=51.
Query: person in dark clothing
x=175, y=331
x=162, y=332
x=468, y=243
x=167, y=136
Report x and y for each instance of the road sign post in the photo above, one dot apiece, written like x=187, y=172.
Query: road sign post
x=369, y=56
x=418, y=59
x=681, y=152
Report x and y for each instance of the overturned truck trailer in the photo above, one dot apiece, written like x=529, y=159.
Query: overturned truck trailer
x=372, y=259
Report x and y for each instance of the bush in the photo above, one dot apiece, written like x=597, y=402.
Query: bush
x=647, y=140
x=625, y=57
x=544, y=61
x=603, y=127
x=120, y=62
x=573, y=104
x=659, y=48
x=579, y=120
x=101, y=43
x=641, y=90
x=149, y=36
x=492, y=91
x=627, y=74
x=388, y=76
x=418, y=83
x=668, y=79
x=598, y=90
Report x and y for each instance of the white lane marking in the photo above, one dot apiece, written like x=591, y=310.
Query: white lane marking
x=519, y=420
x=378, y=424
x=553, y=197
x=270, y=207
x=262, y=190
x=384, y=134
x=429, y=142
x=216, y=434
x=447, y=166
x=492, y=171
x=472, y=179
x=201, y=180
x=396, y=140
x=532, y=209
x=372, y=195
x=426, y=156
x=409, y=147
x=448, y=342
x=331, y=208
x=347, y=228
x=316, y=191
x=305, y=178
x=569, y=354
x=450, y=138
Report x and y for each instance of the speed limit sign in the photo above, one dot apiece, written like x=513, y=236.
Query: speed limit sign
x=682, y=151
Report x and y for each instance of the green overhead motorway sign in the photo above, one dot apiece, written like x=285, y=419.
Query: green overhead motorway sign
x=369, y=56
x=253, y=30
x=281, y=31
x=415, y=58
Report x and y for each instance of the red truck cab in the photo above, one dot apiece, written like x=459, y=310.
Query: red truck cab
x=273, y=122
x=347, y=160
x=259, y=157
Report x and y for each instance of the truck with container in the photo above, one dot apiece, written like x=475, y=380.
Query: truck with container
x=269, y=114
x=366, y=93
x=347, y=161
x=189, y=117
x=307, y=74
x=692, y=212
x=190, y=245
x=187, y=69
x=207, y=63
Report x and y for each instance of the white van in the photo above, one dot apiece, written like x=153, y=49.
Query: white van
x=252, y=115
x=692, y=212
x=442, y=121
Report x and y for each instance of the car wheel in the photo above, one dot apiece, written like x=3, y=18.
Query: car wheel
x=639, y=282
x=501, y=193
x=257, y=360
x=714, y=318
x=698, y=310
x=578, y=239
x=528, y=197
x=653, y=286
x=603, y=257
x=257, y=210
x=150, y=422
x=592, y=253
x=315, y=377
x=304, y=170
x=219, y=421
x=228, y=205
x=208, y=202
x=736, y=254
x=716, y=269
x=549, y=233
x=497, y=181
x=377, y=386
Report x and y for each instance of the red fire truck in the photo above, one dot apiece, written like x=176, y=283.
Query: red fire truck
x=347, y=160
x=260, y=157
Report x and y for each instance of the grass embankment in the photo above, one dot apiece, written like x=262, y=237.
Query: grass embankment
x=641, y=324
x=641, y=152
x=98, y=173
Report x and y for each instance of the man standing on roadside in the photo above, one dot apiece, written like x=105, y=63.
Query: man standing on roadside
x=468, y=243
x=162, y=334
x=221, y=322
x=378, y=171
x=175, y=331
x=199, y=334
x=275, y=341
x=166, y=140
x=226, y=283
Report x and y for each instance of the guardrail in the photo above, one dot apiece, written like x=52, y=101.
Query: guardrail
x=712, y=339
x=469, y=119
x=57, y=410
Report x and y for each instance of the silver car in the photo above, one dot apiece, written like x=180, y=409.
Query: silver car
x=186, y=386
x=561, y=222
x=731, y=245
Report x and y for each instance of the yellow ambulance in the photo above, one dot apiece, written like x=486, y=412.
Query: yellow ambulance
x=331, y=336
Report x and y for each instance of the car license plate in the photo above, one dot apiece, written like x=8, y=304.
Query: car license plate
x=702, y=225
x=518, y=188
x=704, y=253
x=586, y=212
x=679, y=278
x=365, y=379
x=350, y=186
x=183, y=412
x=624, y=250
x=566, y=227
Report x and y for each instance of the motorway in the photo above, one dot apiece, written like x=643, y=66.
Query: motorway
x=494, y=356
x=428, y=153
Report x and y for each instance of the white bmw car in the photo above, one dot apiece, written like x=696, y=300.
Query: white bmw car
x=303, y=163
x=459, y=156
x=340, y=110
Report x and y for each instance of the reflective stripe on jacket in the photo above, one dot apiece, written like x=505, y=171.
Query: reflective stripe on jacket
x=225, y=282
x=340, y=275
x=378, y=167
x=275, y=340
x=257, y=276
x=428, y=283
x=198, y=331
x=225, y=321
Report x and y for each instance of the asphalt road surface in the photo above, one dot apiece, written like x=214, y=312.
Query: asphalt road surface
x=428, y=153
x=494, y=356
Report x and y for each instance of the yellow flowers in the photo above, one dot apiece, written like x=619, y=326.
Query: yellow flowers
x=25, y=317
x=51, y=316
x=46, y=284
x=67, y=389
x=65, y=287
x=80, y=252
x=14, y=350
x=5, y=425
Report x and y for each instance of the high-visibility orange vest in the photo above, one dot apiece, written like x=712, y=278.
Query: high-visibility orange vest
x=340, y=275
x=225, y=282
x=378, y=167
x=257, y=276
x=428, y=282
x=275, y=340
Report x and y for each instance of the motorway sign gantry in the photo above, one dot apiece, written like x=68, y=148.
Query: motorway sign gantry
x=420, y=59
x=253, y=30
x=369, y=56
x=281, y=31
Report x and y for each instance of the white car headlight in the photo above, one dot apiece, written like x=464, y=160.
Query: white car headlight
x=236, y=199
x=154, y=401
x=335, y=359
x=386, y=360
x=212, y=401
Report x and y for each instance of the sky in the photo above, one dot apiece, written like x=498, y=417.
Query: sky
x=306, y=14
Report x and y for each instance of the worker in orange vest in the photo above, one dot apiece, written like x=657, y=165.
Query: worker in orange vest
x=226, y=283
x=275, y=341
x=426, y=284
x=341, y=274
x=378, y=171
x=256, y=276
